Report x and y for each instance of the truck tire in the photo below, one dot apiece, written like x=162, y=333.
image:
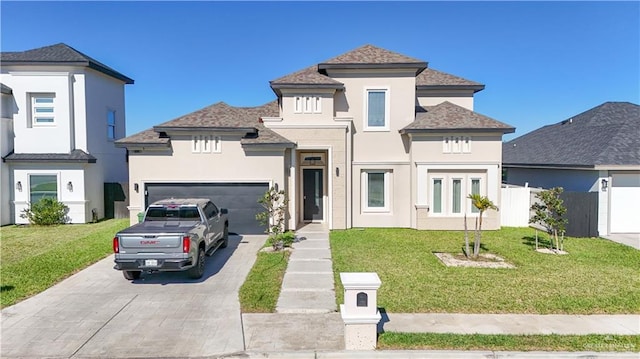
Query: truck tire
x=225, y=237
x=197, y=271
x=131, y=274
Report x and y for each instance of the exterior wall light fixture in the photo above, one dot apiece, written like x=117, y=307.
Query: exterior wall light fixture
x=19, y=186
x=605, y=184
x=70, y=186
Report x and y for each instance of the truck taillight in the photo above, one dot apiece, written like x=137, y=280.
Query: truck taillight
x=186, y=244
x=116, y=245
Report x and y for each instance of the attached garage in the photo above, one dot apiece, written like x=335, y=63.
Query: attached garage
x=241, y=199
x=625, y=198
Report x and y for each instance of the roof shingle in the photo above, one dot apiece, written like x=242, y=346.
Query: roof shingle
x=308, y=76
x=434, y=78
x=59, y=54
x=447, y=116
x=608, y=134
x=369, y=54
x=75, y=156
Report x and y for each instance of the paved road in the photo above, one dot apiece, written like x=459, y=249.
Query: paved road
x=97, y=313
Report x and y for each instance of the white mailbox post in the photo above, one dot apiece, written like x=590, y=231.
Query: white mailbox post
x=360, y=311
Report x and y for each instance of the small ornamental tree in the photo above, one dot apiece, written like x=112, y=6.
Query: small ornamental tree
x=482, y=203
x=549, y=213
x=275, y=205
x=46, y=212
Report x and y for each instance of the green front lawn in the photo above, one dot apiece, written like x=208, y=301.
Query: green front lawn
x=261, y=289
x=433, y=341
x=597, y=276
x=33, y=258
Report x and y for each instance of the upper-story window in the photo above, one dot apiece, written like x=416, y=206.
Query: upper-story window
x=206, y=144
x=111, y=125
x=377, y=109
x=307, y=104
x=456, y=144
x=42, y=109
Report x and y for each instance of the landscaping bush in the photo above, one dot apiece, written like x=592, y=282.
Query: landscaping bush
x=46, y=212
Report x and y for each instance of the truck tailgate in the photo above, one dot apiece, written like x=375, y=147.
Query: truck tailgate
x=150, y=243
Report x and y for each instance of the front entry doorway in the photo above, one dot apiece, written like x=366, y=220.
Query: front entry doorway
x=312, y=195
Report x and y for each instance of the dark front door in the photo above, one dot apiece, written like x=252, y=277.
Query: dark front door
x=312, y=194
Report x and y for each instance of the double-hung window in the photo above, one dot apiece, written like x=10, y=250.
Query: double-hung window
x=43, y=109
x=376, y=190
x=377, y=110
x=111, y=125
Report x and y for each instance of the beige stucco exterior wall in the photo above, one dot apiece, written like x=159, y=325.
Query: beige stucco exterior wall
x=483, y=162
x=179, y=164
x=462, y=98
x=332, y=141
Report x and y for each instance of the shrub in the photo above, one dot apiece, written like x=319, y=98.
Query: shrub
x=46, y=212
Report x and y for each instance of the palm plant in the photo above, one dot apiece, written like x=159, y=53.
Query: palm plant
x=482, y=203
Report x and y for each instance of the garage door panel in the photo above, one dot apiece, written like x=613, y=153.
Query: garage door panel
x=241, y=199
x=624, y=209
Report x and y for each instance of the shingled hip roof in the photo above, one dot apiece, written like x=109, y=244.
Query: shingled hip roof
x=59, y=54
x=606, y=135
x=75, y=156
x=447, y=116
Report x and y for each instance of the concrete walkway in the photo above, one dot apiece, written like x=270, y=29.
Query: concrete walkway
x=628, y=239
x=307, y=286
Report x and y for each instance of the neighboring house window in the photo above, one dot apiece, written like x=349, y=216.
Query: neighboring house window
x=437, y=195
x=456, y=144
x=376, y=190
x=41, y=186
x=377, y=110
x=42, y=109
x=307, y=104
x=205, y=144
x=111, y=125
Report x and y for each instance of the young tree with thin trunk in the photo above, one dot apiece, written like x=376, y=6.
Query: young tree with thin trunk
x=549, y=213
x=482, y=203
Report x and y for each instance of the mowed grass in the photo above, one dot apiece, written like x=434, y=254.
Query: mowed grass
x=433, y=341
x=597, y=276
x=33, y=258
x=261, y=289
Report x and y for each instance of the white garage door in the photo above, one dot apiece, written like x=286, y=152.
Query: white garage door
x=625, y=203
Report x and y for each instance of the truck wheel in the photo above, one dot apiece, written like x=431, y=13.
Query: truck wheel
x=131, y=274
x=225, y=237
x=197, y=271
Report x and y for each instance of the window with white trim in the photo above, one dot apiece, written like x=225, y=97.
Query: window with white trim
x=42, y=109
x=376, y=110
x=307, y=104
x=448, y=193
x=205, y=144
x=376, y=190
x=456, y=144
x=111, y=125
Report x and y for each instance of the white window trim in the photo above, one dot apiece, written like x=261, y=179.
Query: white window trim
x=307, y=104
x=34, y=106
x=447, y=193
x=456, y=144
x=216, y=144
x=317, y=104
x=365, y=191
x=297, y=104
x=387, y=112
x=206, y=144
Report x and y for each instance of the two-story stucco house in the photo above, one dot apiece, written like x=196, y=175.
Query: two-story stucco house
x=62, y=111
x=370, y=138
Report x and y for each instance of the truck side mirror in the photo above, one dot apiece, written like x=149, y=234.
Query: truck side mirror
x=224, y=211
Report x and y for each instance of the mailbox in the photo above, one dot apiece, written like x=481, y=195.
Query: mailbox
x=360, y=311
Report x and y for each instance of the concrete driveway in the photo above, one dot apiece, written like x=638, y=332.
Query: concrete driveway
x=629, y=239
x=97, y=313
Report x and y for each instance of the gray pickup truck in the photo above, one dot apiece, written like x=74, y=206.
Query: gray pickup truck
x=175, y=235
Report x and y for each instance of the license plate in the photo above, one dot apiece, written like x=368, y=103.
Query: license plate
x=151, y=262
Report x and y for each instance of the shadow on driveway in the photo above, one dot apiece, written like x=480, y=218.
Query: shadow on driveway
x=213, y=265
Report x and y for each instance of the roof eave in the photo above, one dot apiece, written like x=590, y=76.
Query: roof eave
x=475, y=88
x=548, y=165
x=419, y=66
x=89, y=64
x=445, y=130
x=305, y=86
x=46, y=160
x=202, y=128
x=141, y=144
x=269, y=145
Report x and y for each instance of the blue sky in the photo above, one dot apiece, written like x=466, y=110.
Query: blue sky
x=541, y=62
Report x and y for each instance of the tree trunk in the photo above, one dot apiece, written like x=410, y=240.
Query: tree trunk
x=466, y=238
x=476, y=241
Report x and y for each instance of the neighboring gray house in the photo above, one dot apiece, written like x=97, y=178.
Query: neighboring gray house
x=62, y=111
x=370, y=138
x=595, y=151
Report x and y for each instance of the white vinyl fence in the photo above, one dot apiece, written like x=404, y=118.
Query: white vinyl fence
x=515, y=205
